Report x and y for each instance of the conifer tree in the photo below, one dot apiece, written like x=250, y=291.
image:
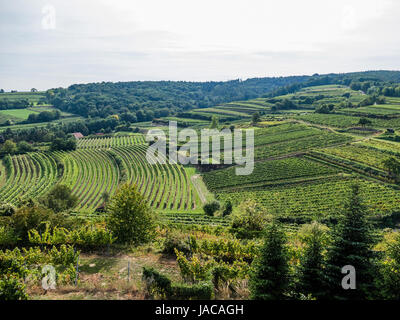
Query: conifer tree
x=352, y=245
x=310, y=273
x=270, y=277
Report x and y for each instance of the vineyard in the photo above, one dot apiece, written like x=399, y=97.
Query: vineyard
x=98, y=167
x=110, y=142
x=282, y=143
x=25, y=176
x=319, y=200
x=268, y=171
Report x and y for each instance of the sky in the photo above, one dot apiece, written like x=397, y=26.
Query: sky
x=56, y=43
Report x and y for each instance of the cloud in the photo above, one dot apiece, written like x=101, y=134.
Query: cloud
x=112, y=40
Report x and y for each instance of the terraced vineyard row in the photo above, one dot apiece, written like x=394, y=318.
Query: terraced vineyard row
x=89, y=173
x=93, y=171
x=344, y=121
x=193, y=218
x=167, y=186
x=360, y=152
x=110, y=142
x=322, y=139
x=30, y=176
x=321, y=200
x=268, y=171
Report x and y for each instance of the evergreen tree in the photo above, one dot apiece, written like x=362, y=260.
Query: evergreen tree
x=352, y=245
x=310, y=272
x=270, y=278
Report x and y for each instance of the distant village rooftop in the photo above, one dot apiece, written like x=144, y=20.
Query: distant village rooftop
x=78, y=135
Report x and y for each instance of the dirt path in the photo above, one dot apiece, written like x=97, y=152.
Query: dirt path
x=195, y=180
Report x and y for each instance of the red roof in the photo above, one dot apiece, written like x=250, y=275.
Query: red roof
x=78, y=135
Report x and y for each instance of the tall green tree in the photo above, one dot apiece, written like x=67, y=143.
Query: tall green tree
x=9, y=147
x=352, y=245
x=310, y=271
x=129, y=217
x=270, y=277
x=255, y=118
x=214, y=122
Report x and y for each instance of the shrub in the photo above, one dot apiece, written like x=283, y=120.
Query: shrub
x=227, y=208
x=211, y=207
x=199, y=291
x=156, y=283
x=7, y=209
x=7, y=236
x=130, y=218
x=60, y=198
x=31, y=217
x=160, y=286
x=11, y=288
x=249, y=220
x=175, y=240
x=194, y=270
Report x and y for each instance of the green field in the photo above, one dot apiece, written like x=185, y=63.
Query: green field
x=33, y=97
x=21, y=114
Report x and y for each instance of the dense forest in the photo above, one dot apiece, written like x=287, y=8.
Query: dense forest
x=143, y=101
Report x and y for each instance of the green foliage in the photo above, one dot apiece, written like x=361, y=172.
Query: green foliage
x=194, y=270
x=249, y=220
x=211, y=207
x=389, y=268
x=32, y=217
x=364, y=122
x=19, y=264
x=24, y=147
x=227, y=210
x=85, y=236
x=310, y=271
x=9, y=147
x=255, y=118
x=12, y=289
x=393, y=167
x=267, y=172
x=129, y=217
x=319, y=200
x=226, y=250
x=351, y=245
x=7, y=236
x=198, y=291
x=176, y=240
x=157, y=284
x=324, y=108
x=65, y=255
x=270, y=278
x=60, y=199
x=214, y=122
x=60, y=144
x=7, y=209
x=160, y=286
x=7, y=161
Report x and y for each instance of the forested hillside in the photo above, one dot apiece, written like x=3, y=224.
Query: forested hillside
x=146, y=100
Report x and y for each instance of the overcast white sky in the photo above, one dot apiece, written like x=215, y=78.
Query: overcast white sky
x=122, y=40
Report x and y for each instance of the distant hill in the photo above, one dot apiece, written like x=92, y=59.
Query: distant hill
x=146, y=100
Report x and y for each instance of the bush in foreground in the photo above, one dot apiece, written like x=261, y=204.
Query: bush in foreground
x=130, y=218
